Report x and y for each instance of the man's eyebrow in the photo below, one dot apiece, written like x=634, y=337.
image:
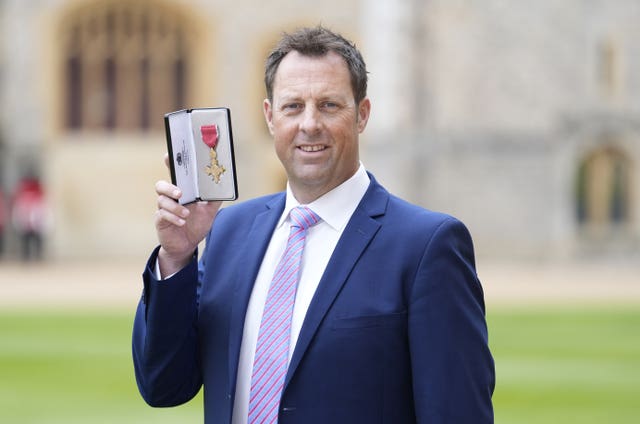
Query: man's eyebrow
x=330, y=95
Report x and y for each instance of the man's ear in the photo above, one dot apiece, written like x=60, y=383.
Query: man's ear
x=268, y=114
x=364, y=109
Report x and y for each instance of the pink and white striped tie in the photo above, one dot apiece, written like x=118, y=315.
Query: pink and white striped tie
x=272, y=350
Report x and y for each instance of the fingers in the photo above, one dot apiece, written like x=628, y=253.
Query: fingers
x=166, y=159
x=167, y=189
x=169, y=209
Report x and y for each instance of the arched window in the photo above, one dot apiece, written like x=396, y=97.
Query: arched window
x=125, y=65
x=603, y=189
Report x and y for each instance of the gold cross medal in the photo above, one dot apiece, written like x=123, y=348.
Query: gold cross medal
x=210, y=135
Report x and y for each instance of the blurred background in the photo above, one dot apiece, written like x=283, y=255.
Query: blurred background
x=521, y=118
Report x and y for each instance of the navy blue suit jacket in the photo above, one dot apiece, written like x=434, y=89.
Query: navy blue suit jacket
x=395, y=332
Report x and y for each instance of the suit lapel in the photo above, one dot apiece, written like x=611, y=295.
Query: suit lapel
x=253, y=253
x=354, y=240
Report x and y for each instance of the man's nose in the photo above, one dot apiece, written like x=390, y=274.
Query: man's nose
x=311, y=120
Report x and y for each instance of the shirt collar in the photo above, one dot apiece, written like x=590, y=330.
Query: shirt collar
x=335, y=207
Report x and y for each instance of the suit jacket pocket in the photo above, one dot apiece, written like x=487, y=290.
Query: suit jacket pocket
x=370, y=321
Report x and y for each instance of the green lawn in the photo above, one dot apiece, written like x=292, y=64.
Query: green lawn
x=74, y=367
x=553, y=366
x=567, y=365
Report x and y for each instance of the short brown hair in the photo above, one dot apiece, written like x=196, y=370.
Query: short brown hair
x=318, y=41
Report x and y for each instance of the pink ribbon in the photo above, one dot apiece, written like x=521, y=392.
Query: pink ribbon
x=210, y=135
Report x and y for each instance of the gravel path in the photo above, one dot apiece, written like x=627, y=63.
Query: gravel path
x=118, y=284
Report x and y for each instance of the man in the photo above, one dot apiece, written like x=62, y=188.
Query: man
x=386, y=322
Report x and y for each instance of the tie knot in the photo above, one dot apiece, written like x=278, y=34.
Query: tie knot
x=303, y=217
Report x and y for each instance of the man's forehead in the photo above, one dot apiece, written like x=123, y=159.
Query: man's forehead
x=299, y=66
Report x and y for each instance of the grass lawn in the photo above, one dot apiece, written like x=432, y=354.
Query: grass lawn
x=74, y=367
x=567, y=365
x=553, y=366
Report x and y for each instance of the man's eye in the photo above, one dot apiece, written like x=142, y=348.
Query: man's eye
x=292, y=106
x=330, y=105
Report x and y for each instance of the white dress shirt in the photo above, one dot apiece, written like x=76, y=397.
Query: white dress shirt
x=334, y=209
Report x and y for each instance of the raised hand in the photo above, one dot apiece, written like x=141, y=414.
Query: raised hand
x=180, y=228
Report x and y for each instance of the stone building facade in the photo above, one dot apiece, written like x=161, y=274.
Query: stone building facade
x=522, y=119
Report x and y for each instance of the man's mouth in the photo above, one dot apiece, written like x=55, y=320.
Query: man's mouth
x=312, y=148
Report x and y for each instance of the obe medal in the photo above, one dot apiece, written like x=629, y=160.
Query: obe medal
x=210, y=136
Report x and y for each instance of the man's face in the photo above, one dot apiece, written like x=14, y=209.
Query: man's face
x=315, y=122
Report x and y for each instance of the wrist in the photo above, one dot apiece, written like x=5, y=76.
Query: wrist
x=169, y=264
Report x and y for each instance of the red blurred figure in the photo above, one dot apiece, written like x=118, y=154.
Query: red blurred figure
x=3, y=221
x=29, y=216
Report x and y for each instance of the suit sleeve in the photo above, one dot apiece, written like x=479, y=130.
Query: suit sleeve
x=165, y=350
x=453, y=370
